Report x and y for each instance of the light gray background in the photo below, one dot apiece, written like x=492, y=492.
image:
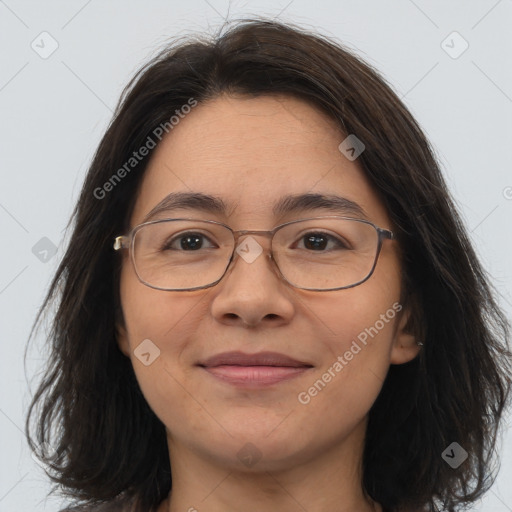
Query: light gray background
x=54, y=111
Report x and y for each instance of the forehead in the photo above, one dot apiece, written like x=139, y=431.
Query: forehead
x=251, y=152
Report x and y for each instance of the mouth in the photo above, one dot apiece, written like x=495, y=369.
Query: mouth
x=254, y=370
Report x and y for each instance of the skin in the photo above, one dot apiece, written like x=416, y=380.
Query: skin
x=250, y=152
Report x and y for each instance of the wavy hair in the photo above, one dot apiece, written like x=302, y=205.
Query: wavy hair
x=109, y=445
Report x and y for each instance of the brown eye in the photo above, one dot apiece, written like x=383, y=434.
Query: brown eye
x=320, y=241
x=187, y=242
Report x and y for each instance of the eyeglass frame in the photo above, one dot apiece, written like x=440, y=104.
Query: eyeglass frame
x=127, y=241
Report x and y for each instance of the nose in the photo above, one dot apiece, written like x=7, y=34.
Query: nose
x=252, y=291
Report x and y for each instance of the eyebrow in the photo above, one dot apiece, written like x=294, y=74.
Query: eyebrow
x=290, y=204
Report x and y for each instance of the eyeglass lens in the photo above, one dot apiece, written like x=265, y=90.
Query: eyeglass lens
x=316, y=253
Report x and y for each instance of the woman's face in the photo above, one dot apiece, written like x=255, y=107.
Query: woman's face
x=251, y=153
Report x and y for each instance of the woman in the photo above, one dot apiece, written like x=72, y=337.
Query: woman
x=269, y=300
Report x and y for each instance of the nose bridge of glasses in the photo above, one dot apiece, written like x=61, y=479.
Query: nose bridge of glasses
x=242, y=235
x=250, y=250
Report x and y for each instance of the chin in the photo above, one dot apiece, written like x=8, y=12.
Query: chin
x=254, y=450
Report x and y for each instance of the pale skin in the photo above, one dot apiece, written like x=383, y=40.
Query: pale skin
x=250, y=153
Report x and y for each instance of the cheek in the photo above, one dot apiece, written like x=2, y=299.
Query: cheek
x=357, y=330
x=366, y=314
x=343, y=390
x=359, y=346
x=166, y=318
x=158, y=327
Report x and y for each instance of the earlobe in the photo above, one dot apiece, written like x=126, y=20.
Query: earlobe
x=406, y=346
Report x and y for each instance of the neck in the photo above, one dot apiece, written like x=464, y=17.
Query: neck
x=330, y=481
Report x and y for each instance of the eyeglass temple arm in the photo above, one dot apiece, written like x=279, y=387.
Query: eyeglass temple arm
x=121, y=242
x=386, y=233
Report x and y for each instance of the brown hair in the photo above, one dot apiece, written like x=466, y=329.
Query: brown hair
x=109, y=443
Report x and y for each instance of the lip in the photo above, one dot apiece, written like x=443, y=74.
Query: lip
x=254, y=370
x=257, y=359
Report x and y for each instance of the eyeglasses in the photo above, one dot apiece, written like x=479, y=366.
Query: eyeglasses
x=317, y=254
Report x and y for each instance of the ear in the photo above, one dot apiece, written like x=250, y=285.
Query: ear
x=405, y=345
x=122, y=334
